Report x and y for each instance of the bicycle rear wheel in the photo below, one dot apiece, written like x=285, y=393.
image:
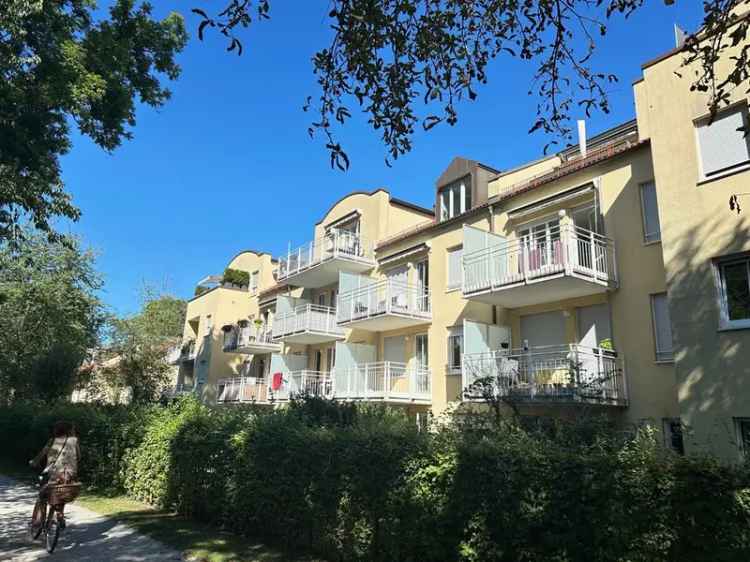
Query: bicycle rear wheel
x=40, y=516
x=52, y=531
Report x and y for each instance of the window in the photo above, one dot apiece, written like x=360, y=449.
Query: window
x=742, y=427
x=422, y=351
x=330, y=358
x=650, y=213
x=455, y=199
x=254, y=282
x=455, y=267
x=333, y=299
x=423, y=285
x=662, y=327
x=455, y=348
x=209, y=325
x=722, y=144
x=734, y=291
x=673, y=435
x=322, y=299
x=318, y=360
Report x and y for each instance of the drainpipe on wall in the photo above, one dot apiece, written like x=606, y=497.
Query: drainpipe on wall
x=492, y=230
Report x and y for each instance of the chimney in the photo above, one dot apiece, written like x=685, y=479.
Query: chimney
x=582, y=137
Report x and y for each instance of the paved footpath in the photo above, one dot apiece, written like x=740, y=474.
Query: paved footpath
x=88, y=537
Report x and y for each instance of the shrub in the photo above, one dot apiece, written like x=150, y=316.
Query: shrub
x=236, y=277
x=355, y=482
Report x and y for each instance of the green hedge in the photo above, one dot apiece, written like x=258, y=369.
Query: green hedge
x=361, y=483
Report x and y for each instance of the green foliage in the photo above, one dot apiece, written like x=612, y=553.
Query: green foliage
x=200, y=289
x=50, y=315
x=236, y=277
x=63, y=63
x=139, y=345
x=356, y=483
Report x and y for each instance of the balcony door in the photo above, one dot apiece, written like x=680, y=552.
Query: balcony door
x=543, y=330
x=541, y=251
x=586, y=247
x=398, y=278
x=394, y=349
x=423, y=285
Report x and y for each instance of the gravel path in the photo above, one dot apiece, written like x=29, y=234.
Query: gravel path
x=88, y=537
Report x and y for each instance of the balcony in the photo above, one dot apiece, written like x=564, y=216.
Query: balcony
x=307, y=324
x=551, y=374
x=386, y=381
x=182, y=390
x=305, y=382
x=182, y=353
x=570, y=262
x=251, y=340
x=384, y=305
x=318, y=263
x=242, y=389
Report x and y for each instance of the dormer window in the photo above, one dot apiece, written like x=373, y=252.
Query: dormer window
x=455, y=198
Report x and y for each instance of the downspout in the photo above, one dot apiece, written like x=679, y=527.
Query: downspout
x=492, y=230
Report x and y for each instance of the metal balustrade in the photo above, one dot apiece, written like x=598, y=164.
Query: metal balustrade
x=182, y=352
x=568, y=373
x=384, y=380
x=382, y=298
x=305, y=382
x=307, y=318
x=565, y=250
x=242, y=389
x=337, y=244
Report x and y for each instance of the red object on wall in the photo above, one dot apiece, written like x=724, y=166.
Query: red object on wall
x=277, y=381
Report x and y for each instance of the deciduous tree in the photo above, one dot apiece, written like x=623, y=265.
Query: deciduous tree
x=61, y=64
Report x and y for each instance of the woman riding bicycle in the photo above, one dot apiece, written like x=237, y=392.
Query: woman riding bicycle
x=60, y=456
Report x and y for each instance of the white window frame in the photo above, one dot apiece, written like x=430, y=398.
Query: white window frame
x=455, y=332
x=668, y=434
x=649, y=237
x=447, y=198
x=417, y=338
x=456, y=284
x=702, y=122
x=661, y=355
x=254, y=281
x=723, y=302
x=738, y=422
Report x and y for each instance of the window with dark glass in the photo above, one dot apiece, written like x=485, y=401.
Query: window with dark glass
x=734, y=290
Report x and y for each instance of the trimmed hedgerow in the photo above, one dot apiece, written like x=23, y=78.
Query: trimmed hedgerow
x=361, y=483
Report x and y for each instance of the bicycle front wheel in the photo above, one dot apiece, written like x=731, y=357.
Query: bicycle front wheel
x=38, y=518
x=52, y=533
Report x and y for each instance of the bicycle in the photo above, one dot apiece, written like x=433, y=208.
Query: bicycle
x=51, y=521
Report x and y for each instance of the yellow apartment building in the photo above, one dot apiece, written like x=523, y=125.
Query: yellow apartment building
x=610, y=277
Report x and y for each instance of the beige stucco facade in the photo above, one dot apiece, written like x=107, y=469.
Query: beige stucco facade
x=557, y=282
x=698, y=229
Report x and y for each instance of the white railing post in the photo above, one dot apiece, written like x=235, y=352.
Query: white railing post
x=242, y=388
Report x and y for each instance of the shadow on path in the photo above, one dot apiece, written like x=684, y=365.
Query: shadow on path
x=88, y=537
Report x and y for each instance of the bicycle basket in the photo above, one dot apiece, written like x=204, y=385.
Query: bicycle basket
x=63, y=493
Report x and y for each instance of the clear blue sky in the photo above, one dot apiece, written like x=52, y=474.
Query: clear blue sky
x=227, y=164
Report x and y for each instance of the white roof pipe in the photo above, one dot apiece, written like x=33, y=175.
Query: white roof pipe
x=582, y=137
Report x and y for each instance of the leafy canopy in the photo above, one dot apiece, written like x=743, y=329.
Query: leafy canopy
x=59, y=65
x=50, y=315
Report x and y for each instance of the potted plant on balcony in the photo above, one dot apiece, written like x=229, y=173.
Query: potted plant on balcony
x=235, y=278
x=607, y=348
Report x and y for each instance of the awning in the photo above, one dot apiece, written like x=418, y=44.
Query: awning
x=414, y=250
x=552, y=201
x=343, y=220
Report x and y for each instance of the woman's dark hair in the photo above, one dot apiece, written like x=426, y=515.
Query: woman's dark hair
x=63, y=429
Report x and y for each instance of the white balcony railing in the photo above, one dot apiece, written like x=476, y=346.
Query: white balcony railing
x=305, y=382
x=307, y=318
x=385, y=380
x=567, y=373
x=566, y=250
x=384, y=297
x=338, y=244
x=242, y=389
